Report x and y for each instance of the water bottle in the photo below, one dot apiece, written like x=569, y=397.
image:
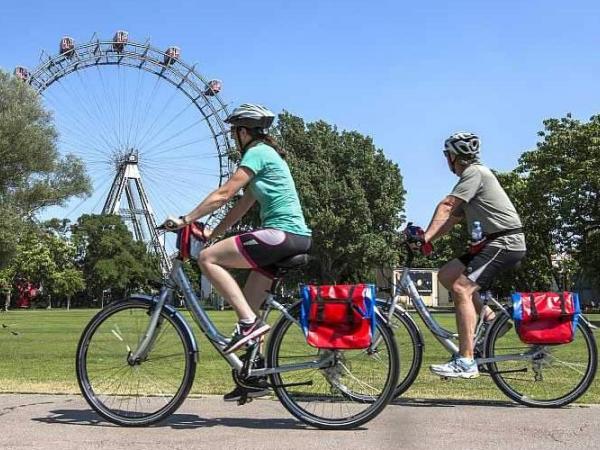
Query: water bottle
x=476, y=232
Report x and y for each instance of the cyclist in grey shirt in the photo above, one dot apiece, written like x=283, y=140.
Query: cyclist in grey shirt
x=477, y=197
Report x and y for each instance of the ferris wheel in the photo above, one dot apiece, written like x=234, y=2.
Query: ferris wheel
x=149, y=128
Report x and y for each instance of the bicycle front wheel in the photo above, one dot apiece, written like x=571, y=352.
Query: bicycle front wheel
x=140, y=393
x=354, y=387
x=542, y=375
x=410, y=346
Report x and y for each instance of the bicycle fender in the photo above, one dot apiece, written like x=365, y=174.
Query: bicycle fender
x=176, y=316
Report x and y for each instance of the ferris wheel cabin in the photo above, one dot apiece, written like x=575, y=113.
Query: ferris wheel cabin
x=171, y=55
x=214, y=87
x=119, y=40
x=21, y=73
x=66, y=47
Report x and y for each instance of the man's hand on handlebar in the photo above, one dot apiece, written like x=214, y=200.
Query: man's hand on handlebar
x=415, y=239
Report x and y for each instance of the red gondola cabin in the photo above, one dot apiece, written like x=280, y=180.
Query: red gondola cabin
x=22, y=73
x=214, y=87
x=119, y=40
x=171, y=55
x=67, y=45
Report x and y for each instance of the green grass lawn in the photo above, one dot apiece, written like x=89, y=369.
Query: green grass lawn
x=40, y=358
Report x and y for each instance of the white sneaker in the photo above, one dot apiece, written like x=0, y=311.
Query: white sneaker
x=456, y=368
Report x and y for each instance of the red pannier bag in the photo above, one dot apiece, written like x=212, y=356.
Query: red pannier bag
x=546, y=318
x=338, y=316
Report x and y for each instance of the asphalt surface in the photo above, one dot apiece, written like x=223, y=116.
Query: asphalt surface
x=66, y=422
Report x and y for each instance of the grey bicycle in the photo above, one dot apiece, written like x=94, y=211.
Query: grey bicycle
x=533, y=375
x=136, y=360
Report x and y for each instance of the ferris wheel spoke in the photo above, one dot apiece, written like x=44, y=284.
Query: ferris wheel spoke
x=143, y=141
x=108, y=95
x=136, y=108
x=76, y=141
x=168, y=123
x=102, y=118
x=84, y=108
x=126, y=106
x=181, y=145
x=184, y=155
x=145, y=112
x=74, y=126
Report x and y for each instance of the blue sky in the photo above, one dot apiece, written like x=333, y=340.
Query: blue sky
x=406, y=73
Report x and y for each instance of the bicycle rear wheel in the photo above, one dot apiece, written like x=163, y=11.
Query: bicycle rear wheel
x=352, y=390
x=141, y=393
x=556, y=375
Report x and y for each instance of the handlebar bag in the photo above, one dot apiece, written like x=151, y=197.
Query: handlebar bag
x=190, y=241
x=338, y=316
x=546, y=318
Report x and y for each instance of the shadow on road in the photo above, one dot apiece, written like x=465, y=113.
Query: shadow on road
x=175, y=421
x=451, y=403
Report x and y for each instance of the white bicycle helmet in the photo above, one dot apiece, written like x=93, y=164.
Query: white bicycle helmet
x=463, y=145
x=251, y=116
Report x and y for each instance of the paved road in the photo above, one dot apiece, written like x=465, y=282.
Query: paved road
x=66, y=422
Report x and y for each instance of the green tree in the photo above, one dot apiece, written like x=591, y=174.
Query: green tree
x=47, y=259
x=352, y=196
x=110, y=257
x=563, y=195
x=32, y=174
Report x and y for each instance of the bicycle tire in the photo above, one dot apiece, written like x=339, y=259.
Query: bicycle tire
x=410, y=361
x=89, y=389
x=332, y=397
x=515, y=393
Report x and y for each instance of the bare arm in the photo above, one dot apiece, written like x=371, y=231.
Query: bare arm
x=222, y=195
x=240, y=208
x=446, y=215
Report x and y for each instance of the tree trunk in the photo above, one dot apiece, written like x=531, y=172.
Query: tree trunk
x=49, y=302
x=7, y=301
x=68, y=302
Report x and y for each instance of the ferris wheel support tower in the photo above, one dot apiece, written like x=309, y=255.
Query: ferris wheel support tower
x=128, y=199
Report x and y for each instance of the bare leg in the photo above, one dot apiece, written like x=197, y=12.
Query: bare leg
x=256, y=289
x=466, y=317
x=213, y=261
x=448, y=275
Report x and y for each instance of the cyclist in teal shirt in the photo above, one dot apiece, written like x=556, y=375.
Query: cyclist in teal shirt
x=266, y=179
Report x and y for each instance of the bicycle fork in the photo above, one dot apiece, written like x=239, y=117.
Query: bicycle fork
x=147, y=342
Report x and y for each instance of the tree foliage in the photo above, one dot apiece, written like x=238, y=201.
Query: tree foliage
x=32, y=175
x=110, y=257
x=563, y=191
x=352, y=196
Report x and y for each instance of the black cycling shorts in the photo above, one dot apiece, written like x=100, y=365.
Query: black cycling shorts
x=483, y=267
x=262, y=248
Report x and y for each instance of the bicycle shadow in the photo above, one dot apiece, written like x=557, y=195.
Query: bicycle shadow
x=175, y=421
x=451, y=403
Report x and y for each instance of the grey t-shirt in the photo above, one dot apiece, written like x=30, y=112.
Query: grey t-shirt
x=485, y=201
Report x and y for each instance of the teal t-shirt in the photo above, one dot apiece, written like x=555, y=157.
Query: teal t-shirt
x=274, y=190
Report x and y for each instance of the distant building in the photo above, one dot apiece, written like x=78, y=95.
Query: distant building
x=427, y=283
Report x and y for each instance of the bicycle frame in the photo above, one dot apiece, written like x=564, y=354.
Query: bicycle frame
x=178, y=279
x=447, y=338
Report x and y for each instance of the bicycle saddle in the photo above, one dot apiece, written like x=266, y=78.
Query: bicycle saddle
x=293, y=261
